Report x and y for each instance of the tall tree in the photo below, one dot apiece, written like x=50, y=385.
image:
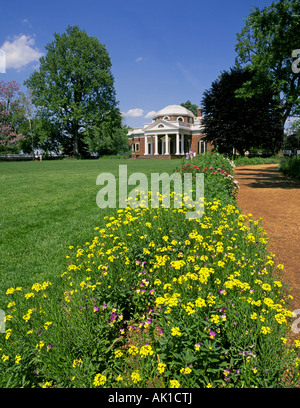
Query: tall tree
x=74, y=86
x=11, y=117
x=230, y=122
x=265, y=45
x=28, y=108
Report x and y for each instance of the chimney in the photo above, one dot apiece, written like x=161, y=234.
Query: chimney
x=199, y=112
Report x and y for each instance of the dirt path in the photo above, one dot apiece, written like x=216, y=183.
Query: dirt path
x=268, y=194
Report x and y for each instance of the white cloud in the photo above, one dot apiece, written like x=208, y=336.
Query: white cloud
x=138, y=59
x=133, y=113
x=20, y=51
x=150, y=114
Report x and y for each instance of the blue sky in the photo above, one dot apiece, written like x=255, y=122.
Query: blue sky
x=162, y=52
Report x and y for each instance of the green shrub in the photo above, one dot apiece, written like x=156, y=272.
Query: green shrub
x=290, y=166
x=218, y=175
x=245, y=161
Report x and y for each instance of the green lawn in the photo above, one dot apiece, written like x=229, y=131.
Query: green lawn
x=47, y=206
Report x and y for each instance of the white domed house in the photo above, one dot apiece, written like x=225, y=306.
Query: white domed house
x=174, y=132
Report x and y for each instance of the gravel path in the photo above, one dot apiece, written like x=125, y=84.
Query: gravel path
x=268, y=194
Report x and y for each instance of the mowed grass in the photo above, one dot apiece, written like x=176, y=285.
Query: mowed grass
x=47, y=206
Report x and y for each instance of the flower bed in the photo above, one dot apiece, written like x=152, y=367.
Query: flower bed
x=218, y=176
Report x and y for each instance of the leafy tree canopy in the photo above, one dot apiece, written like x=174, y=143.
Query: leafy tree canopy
x=74, y=87
x=230, y=122
x=265, y=46
x=190, y=106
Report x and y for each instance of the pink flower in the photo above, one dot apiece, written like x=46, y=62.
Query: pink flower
x=212, y=334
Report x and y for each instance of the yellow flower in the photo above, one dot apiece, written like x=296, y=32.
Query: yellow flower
x=175, y=331
x=215, y=319
x=209, y=385
x=37, y=287
x=200, y=302
x=297, y=343
x=178, y=264
x=186, y=370
x=119, y=378
x=133, y=350
x=146, y=351
x=161, y=368
x=8, y=333
x=47, y=324
x=40, y=345
x=265, y=330
x=174, y=384
x=280, y=266
x=4, y=357
x=18, y=359
x=99, y=379
x=28, y=315
x=135, y=376
x=77, y=363
x=266, y=287
x=47, y=385
x=118, y=354
x=253, y=316
x=280, y=318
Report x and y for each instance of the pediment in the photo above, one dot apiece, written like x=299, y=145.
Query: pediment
x=161, y=125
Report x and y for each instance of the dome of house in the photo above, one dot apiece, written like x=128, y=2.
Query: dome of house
x=174, y=110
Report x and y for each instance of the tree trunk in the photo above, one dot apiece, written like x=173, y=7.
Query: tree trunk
x=31, y=135
x=76, y=142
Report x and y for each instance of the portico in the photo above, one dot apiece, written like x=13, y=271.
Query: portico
x=166, y=144
x=174, y=131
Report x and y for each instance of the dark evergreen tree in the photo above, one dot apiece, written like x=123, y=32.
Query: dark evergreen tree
x=241, y=123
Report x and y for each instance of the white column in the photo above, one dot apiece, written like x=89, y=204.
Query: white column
x=156, y=144
x=182, y=144
x=146, y=145
x=167, y=144
x=177, y=143
x=151, y=148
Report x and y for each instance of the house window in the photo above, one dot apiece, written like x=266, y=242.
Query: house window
x=161, y=126
x=201, y=147
x=166, y=118
x=137, y=147
x=180, y=119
